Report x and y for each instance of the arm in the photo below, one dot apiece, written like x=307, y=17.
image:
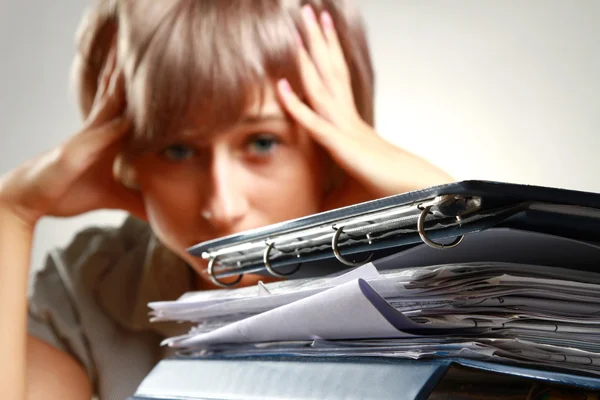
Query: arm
x=74, y=178
x=328, y=112
x=29, y=367
x=15, y=248
x=53, y=374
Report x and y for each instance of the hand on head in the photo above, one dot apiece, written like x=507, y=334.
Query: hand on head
x=373, y=167
x=77, y=176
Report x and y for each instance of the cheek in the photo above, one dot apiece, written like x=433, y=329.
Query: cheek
x=170, y=206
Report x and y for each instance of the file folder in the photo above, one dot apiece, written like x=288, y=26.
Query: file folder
x=303, y=379
x=440, y=219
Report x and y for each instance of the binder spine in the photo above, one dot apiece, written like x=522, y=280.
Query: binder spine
x=439, y=212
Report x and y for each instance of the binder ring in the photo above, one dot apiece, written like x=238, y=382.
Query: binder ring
x=215, y=280
x=270, y=268
x=429, y=242
x=338, y=255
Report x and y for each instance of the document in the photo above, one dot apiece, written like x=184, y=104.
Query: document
x=350, y=310
x=200, y=306
x=494, y=311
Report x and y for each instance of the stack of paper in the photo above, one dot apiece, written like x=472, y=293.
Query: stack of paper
x=491, y=311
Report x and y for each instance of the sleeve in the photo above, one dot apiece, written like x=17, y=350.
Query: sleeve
x=59, y=295
x=53, y=313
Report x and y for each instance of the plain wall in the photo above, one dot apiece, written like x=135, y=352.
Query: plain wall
x=501, y=90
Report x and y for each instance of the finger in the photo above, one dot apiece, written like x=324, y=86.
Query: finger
x=109, y=107
x=85, y=148
x=106, y=75
x=56, y=170
x=322, y=131
x=319, y=96
x=94, y=141
x=117, y=84
x=341, y=84
x=114, y=101
x=317, y=46
x=111, y=100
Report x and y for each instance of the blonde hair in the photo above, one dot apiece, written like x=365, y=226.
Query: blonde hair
x=199, y=61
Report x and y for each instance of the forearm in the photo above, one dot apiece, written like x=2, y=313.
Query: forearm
x=15, y=248
x=388, y=170
x=417, y=173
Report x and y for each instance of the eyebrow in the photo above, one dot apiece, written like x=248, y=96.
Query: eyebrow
x=250, y=119
x=258, y=118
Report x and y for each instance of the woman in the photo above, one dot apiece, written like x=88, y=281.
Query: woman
x=203, y=118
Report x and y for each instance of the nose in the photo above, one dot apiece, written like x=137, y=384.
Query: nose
x=227, y=204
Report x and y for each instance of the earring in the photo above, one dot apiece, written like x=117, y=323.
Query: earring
x=207, y=215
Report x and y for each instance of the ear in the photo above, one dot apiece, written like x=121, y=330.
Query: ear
x=124, y=172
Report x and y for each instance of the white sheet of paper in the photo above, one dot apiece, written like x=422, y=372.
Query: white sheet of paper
x=198, y=308
x=346, y=311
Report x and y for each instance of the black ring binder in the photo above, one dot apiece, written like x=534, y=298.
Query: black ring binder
x=373, y=229
x=336, y=251
x=425, y=238
x=270, y=268
x=215, y=280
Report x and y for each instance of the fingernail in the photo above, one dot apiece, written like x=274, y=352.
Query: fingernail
x=284, y=86
x=309, y=14
x=326, y=20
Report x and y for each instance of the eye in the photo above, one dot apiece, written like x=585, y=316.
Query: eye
x=178, y=152
x=263, y=144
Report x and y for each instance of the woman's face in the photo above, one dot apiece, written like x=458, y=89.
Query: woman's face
x=262, y=171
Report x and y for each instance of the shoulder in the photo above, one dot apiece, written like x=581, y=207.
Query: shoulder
x=90, y=253
x=97, y=263
x=114, y=273
x=76, y=269
x=108, y=242
x=62, y=300
x=84, y=298
x=111, y=274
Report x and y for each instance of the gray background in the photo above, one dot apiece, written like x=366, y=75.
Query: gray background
x=504, y=90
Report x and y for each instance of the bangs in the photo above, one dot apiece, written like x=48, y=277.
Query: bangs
x=198, y=65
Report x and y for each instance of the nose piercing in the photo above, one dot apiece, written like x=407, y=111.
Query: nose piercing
x=207, y=215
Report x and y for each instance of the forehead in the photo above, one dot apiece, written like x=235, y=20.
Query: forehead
x=202, y=67
x=263, y=104
x=263, y=101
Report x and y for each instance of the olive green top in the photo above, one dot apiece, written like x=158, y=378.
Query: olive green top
x=90, y=300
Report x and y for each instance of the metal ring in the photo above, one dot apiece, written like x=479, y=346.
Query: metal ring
x=270, y=268
x=429, y=242
x=213, y=278
x=338, y=255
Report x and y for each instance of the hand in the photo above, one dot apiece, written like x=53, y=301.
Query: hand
x=77, y=176
x=373, y=165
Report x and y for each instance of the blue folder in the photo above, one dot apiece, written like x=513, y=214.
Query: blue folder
x=322, y=378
